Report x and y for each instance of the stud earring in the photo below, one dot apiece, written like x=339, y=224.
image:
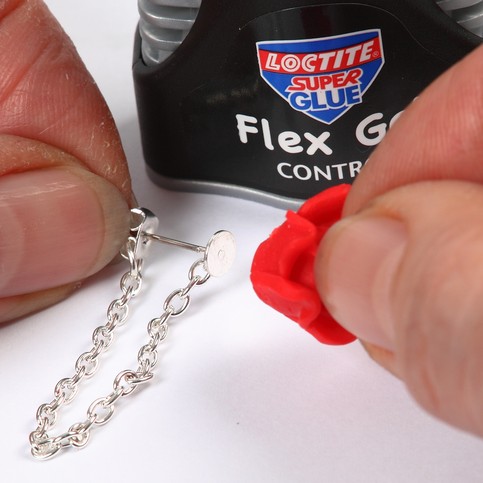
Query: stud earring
x=217, y=258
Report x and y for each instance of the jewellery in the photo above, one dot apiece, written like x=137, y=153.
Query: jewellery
x=218, y=256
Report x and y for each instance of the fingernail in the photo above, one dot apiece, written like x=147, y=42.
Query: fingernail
x=58, y=225
x=355, y=271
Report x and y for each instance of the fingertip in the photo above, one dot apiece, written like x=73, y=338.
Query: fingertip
x=115, y=217
x=60, y=225
x=355, y=270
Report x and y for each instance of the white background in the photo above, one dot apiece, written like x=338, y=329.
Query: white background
x=241, y=394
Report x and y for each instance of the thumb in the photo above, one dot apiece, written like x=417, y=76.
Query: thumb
x=405, y=275
x=59, y=223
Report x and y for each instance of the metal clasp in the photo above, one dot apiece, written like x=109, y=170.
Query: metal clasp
x=143, y=222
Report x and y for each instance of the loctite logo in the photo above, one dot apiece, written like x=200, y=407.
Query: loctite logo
x=325, y=77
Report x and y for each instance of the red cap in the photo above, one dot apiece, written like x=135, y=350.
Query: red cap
x=283, y=267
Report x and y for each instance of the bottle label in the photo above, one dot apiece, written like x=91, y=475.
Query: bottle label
x=324, y=77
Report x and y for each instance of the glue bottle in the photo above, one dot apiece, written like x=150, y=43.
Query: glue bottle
x=278, y=100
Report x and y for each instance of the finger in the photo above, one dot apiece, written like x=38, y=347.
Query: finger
x=46, y=93
x=439, y=136
x=406, y=274
x=59, y=223
x=61, y=213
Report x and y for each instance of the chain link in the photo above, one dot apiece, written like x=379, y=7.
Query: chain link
x=101, y=410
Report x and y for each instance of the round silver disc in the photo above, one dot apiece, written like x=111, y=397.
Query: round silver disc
x=220, y=253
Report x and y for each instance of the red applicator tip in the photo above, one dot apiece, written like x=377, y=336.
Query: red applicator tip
x=282, y=271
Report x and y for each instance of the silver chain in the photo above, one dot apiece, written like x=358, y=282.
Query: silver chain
x=101, y=410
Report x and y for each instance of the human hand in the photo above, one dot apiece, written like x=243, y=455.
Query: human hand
x=64, y=183
x=404, y=269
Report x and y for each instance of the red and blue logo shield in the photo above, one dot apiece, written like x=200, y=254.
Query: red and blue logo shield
x=325, y=77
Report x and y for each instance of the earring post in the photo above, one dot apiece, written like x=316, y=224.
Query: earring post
x=177, y=243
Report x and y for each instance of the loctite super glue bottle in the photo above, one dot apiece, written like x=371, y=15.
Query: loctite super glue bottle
x=277, y=100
